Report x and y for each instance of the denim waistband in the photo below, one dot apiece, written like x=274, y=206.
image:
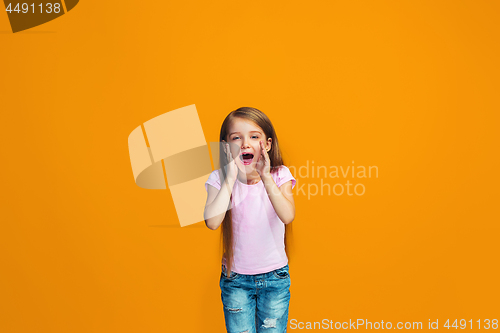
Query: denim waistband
x=256, y=276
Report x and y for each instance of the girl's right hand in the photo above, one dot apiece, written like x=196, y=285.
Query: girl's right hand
x=231, y=168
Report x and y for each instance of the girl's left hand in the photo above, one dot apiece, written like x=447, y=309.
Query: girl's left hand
x=263, y=165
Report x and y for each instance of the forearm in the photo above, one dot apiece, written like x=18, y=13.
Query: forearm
x=214, y=212
x=283, y=207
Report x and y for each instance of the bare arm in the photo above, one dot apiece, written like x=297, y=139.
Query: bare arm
x=218, y=200
x=217, y=204
x=281, y=198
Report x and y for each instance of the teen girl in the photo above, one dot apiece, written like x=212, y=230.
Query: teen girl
x=251, y=197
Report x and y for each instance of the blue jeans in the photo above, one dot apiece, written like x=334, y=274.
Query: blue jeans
x=256, y=303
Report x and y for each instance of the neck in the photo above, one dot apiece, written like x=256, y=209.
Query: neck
x=249, y=178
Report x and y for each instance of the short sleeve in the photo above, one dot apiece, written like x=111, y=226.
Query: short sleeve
x=213, y=180
x=284, y=175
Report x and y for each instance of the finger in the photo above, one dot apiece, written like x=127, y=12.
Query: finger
x=231, y=154
x=260, y=158
x=264, y=151
x=228, y=153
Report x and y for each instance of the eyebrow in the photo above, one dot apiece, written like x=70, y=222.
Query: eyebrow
x=250, y=132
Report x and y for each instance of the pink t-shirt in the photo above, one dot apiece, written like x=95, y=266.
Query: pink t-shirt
x=258, y=232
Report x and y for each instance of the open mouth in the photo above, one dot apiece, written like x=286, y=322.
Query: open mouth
x=246, y=158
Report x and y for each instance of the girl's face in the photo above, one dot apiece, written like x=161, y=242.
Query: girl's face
x=244, y=138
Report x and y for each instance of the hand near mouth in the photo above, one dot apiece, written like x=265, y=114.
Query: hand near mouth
x=231, y=168
x=263, y=165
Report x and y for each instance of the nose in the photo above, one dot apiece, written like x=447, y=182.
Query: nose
x=245, y=143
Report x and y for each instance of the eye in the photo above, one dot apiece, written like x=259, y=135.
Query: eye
x=255, y=136
x=235, y=137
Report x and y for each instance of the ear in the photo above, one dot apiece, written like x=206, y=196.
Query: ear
x=269, y=144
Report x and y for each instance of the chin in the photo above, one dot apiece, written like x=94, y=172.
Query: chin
x=247, y=169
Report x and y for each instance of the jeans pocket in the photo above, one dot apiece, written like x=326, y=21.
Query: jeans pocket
x=281, y=273
x=234, y=275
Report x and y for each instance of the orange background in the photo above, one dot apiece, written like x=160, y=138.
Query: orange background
x=411, y=87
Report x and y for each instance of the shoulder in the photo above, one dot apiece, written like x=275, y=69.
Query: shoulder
x=213, y=179
x=282, y=175
x=214, y=174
